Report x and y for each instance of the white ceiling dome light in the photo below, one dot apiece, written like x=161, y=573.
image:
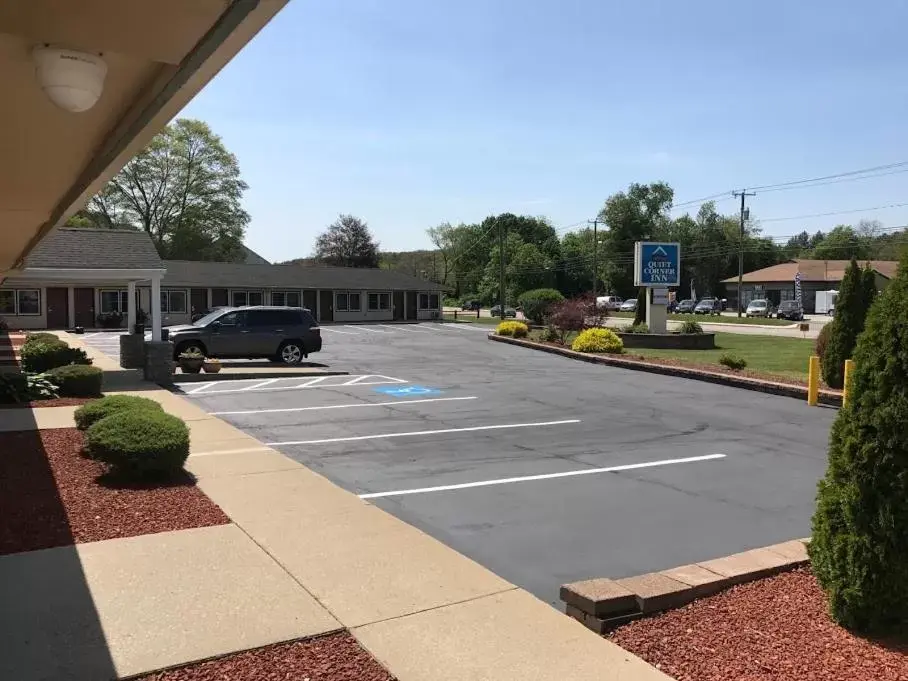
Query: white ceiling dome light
x=72, y=80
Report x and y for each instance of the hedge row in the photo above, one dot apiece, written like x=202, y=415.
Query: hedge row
x=43, y=351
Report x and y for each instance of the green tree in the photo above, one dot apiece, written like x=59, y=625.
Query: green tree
x=845, y=326
x=860, y=526
x=868, y=283
x=640, y=213
x=536, y=303
x=184, y=189
x=347, y=243
x=640, y=313
x=842, y=243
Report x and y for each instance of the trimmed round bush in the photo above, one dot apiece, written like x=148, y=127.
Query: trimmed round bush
x=513, y=329
x=45, y=354
x=89, y=414
x=732, y=361
x=690, y=326
x=536, y=303
x=598, y=340
x=41, y=336
x=636, y=328
x=76, y=380
x=139, y=442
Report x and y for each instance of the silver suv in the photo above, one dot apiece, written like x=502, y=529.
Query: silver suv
x=281, y=334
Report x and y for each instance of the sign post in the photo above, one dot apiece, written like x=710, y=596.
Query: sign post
x=657, y=266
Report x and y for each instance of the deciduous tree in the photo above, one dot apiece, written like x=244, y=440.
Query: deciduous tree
x=347, y=243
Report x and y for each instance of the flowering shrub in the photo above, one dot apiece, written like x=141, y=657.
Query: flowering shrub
x=513, y=329
x=597, y=340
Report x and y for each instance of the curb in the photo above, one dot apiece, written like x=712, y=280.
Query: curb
x=784, y=389
x=243, y=376
x=603, y=604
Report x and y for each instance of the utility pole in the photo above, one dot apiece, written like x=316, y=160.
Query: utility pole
x=501, y=270
x=743, y=194
x=595, y=224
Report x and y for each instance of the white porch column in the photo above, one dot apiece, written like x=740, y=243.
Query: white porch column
x=155, y=308
x=131, y=307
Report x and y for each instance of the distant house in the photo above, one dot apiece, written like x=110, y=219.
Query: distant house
x=77, y=274
x=777, y=283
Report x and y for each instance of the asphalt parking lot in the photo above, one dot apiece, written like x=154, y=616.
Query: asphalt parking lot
x=544, y=469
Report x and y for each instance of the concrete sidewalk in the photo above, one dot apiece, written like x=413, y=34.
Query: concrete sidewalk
x=302, y=556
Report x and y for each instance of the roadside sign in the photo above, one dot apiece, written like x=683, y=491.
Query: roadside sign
x=407, y=390
x=657, y=264
x=660, y=296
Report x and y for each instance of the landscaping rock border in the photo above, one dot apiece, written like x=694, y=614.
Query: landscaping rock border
x=669, y=341
x=603, y=604
x=785, y=389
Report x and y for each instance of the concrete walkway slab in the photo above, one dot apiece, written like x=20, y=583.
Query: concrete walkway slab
x=510, y=636
x=42, y=418
x=143, y=603
x=239, y=463
x=172, y=404
x=363, y=564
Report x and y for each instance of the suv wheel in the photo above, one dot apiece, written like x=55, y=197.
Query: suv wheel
x=190, y=347
x=291, y=352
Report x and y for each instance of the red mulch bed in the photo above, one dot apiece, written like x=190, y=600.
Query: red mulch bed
x=56, y=402
x=52, y=496
x=774, y=629
x=337, y=657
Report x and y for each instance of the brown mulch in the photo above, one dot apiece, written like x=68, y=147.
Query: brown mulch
x=50, y=496
x=336, y=657
x=56, y=402
x=774, y=629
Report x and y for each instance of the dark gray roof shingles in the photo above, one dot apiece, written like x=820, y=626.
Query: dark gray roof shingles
x=240, y=275
x=95, y=249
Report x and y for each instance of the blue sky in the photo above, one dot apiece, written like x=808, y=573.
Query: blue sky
x=409, y=113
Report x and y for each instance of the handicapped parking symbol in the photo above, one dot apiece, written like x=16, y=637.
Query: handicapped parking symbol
x=406, y=390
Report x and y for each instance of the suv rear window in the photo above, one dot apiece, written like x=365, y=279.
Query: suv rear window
x=273, y=318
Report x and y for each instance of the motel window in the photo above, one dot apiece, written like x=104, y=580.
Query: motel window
x=433, y=301
x=347, y=301
x=173, y=301
x=428, y=301
x=288, y=298
x=7, y=302
x=115, y=301
x=241, y=298
x=379, y=301
x=26, y=301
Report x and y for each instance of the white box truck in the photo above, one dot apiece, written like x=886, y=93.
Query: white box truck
x=825, y=302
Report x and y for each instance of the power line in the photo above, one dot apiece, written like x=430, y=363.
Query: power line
x=839, y=212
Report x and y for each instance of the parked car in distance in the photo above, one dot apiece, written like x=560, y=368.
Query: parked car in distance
x=686, y=306
x=629, y=305
x=508, y=311
x=281, y=334
x=471, y=305
x=759, y=308
x=609, y=302
x=790, y=309
x=708, y=306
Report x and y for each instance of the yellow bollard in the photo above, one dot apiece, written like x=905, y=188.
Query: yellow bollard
x=813, y=381
x=849, y=368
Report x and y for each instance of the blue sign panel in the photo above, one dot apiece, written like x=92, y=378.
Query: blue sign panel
x=407, y=391
x=657, y=264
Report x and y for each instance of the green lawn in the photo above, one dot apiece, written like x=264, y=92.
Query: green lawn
x=471, y=318
x=786, y=357
x=705, y=319
x=769, y=355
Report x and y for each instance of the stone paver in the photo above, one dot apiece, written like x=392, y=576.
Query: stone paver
x=42, y=418
x=656, y=592
x=143, y=603
x=792, y=550
x=363, y=564
x=510, y=636
x=599, y=597
x=746, y=564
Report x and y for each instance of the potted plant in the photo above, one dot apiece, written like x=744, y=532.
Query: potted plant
x=211, y=365
x=191, y=362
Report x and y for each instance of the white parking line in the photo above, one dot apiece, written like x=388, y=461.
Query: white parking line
x=261, y=384
x=395, y=403
x=312, y=383
x=363, y=328
x=197, y=388
x=399, y=327
x=345, y=333
x=424, y=432
x=545, y=476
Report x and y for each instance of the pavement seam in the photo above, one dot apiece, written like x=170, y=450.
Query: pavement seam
x=435, y=607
